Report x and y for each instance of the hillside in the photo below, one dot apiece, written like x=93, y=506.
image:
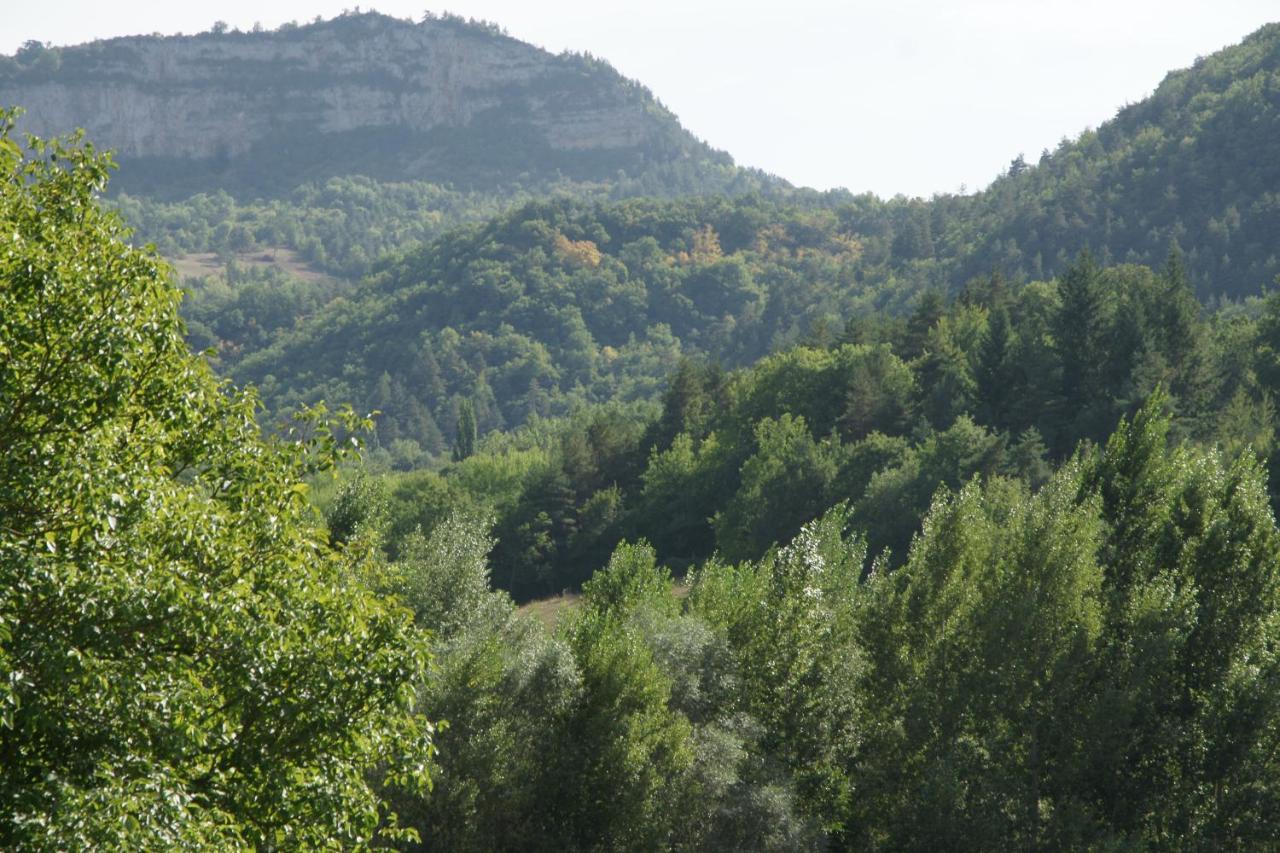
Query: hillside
x=1197, y=162
x=258, y=114
x=539, y=306
x=1194, y=166
x=555, y=304
x=366, y=134
x=866, y=527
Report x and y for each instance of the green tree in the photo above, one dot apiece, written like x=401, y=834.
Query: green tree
x=784, y=484
x=685, y=405
x=973, y=650
x=790, y=619
x=681, y=488
x=503, y=684
x=996, y=375
x=1080, y=331
x=464, y=441
x=879, y=393
x=930, y=308
x=946, y=379
x=186, y=662
x=1183, y=721
x=896, y=498
x=625, y=747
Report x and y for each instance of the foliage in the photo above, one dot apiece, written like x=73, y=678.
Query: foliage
x=936, y=597
x=1064, y=668
x=186, y=662
x=500, y=314
x=738, y=461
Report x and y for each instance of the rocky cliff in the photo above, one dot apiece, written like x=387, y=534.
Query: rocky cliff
x=442, y=100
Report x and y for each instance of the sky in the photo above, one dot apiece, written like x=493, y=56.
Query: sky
x=892, y=96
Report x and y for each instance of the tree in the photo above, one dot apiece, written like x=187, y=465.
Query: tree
x=790, y=621
x=682, y=486
x=973, y=648
x=684, y=405
x=502, y=683
x=946, y=379
x=1183, y=336
x=1182, y=723
x=1080, y=339
x=624, y=746
x=897, y=497
x=928, y=311
x=879, y=392
x=185, y=661
x=464, y=442
x=996, y=376
x=784, y=484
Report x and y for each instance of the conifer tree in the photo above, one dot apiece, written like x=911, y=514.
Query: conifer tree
x=995, y=375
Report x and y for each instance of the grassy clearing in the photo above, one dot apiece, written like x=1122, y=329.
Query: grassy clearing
x=549, y=611
x=207, y=264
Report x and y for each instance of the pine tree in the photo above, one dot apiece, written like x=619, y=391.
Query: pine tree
x=1182, y=339
x=928, y=312
x=684, y=405
x=995, y=377
x=1080, y=333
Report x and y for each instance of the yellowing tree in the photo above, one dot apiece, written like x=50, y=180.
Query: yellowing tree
x=705, y=248
x=579, y=253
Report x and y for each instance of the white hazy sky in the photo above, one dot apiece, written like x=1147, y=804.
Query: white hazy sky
x=893, y=96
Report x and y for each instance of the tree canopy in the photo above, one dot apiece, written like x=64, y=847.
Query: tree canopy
x=186, y=662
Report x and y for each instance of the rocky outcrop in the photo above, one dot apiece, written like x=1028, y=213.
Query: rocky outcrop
x=428, y=99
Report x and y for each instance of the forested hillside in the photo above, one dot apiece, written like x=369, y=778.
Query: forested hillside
x=557, y=303
x=874, y=525
x=570, y=301
x=1197, y=162
x=1001, y=381
x=562, y=303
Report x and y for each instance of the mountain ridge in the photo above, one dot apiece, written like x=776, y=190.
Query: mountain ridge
x=1197, y=163
x=442, y=100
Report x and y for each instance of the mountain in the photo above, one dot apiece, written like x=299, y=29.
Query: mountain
x=258, y=114
x=536, y=305
x=559, y=303
x=1196, y=163
x=448, y=102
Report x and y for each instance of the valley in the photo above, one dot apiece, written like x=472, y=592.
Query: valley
x=415, y=438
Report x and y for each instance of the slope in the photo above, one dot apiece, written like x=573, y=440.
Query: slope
x=258, y=114
x=1197, y=163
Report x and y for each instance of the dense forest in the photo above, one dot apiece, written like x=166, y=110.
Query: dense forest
x=691, y=510
x=998, y=382
x=410, y=297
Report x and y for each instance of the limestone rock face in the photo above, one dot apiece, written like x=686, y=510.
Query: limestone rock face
x=430, y=100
